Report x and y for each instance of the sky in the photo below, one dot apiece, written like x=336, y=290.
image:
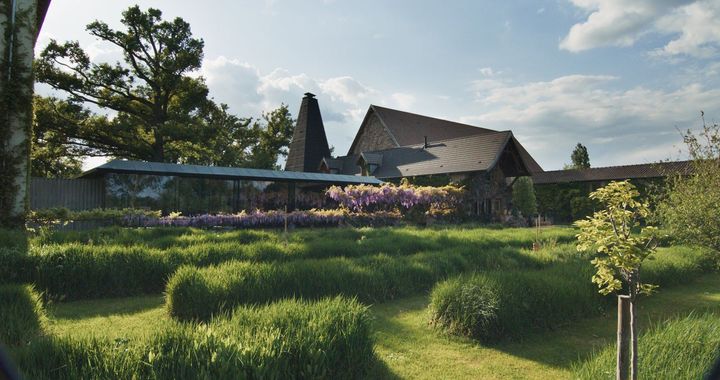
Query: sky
x=623, y=77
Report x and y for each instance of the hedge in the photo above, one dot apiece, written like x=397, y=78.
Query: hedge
x=22, y=316
x=198, y=293
x=291, y=339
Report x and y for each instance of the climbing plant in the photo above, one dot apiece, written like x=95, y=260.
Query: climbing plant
x=16, y=82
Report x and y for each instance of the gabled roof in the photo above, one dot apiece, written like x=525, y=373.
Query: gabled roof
x=411, y=129
x=610, y=173
x=224, y=173
x=479, y=152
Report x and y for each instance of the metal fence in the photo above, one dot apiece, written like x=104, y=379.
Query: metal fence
x=73, y=194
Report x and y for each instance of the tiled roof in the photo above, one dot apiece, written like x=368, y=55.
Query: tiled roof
x=610, y=173
x=472, y=153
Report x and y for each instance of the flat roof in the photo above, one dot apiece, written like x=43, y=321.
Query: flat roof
x=224, y=173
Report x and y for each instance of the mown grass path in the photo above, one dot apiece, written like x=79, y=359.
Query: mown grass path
x=407, y=346
x=410, y=349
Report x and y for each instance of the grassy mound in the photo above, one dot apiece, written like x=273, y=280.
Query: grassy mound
x=22, y=316
x=115, y=262
x=509, y=304
x=494, y=305
x=289, y=339
x=683, y=348
x=198, y=293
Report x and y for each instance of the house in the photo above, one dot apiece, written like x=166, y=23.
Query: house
x=392, y=144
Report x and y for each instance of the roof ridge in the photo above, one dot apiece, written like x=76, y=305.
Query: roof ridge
x=434, y=142
x=431, y=117
x=617, y=166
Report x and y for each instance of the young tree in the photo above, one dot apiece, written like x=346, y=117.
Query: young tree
x=690, y=209
x=620, y=250
x=523, y=196
x=580, y=158
x=157, y=104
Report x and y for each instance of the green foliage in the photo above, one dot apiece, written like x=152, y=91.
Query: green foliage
x=491, y=306
x=523, y=196
x=579, y=157
x=690, y=209
x=53, y=154
x=22, y=314
x=56, y=215
x=683, y=348
x=291, y=339
x=611, y=233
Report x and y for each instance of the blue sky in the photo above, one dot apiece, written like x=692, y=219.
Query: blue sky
x=620, y=76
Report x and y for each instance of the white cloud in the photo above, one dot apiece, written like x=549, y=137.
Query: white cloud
x=343, y=99
x=692, y=25
x=624, y=125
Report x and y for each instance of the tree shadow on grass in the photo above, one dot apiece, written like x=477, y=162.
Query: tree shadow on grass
x=77, y=310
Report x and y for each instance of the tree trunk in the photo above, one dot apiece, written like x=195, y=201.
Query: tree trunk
x=633, y=327
x=623, y=335
x=18, y=24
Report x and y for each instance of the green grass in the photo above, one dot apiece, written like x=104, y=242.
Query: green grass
x=409, y=348
x=22, y=315
x=115, y=262
x=326, y=339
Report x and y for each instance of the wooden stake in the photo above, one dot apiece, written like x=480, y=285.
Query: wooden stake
x=623, y=337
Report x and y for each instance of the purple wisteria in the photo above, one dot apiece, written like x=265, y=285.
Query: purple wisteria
x=255, y=219
x=388, y=196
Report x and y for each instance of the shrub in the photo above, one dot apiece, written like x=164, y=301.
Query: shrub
x=197, y=293
x=690, y=207
x=22, y=314
x=682, y=348
x=495, y=305
x=290, y=339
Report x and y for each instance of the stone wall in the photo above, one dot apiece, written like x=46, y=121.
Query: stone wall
x=373, y=136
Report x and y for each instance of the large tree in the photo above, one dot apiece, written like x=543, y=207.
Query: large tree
x=156, y=105
x=159, y=111
x=53, y=154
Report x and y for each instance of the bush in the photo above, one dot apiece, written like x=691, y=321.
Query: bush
x=291, y=339
x=495, y=305
x=683, y=348
x=22, y=314
x=198, y=293
x=690, y=207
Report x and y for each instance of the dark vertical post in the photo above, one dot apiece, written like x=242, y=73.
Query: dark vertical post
x=623, y=337
x=291, y=196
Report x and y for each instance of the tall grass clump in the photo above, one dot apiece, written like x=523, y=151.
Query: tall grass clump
x=113, y=262
x=22, y=315
x=291, y=339
x=683, y=348
x=495, y=305
x=198, y=293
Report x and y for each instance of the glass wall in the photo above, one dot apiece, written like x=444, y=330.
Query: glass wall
x=193, y=196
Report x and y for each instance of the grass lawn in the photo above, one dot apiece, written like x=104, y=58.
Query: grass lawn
x=407, y=346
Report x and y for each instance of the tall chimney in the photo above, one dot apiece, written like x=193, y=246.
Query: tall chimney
x=309, y=143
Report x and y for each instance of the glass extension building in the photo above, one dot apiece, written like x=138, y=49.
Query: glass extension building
x=195, y=189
